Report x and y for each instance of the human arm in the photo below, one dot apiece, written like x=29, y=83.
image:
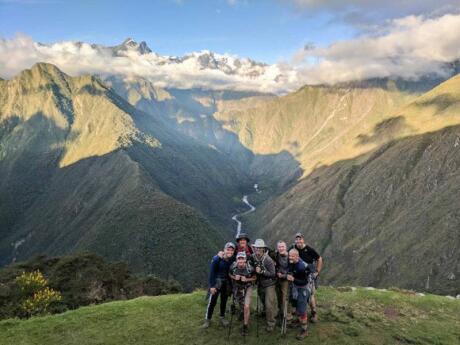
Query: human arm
x=319, y=266
x=248, y=279
x=269, y=268
x=213, y=274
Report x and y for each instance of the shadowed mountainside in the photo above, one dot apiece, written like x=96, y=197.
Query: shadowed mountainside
x=83, y=169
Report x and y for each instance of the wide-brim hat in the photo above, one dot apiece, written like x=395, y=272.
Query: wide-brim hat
x=241, y=236
x=259, y=243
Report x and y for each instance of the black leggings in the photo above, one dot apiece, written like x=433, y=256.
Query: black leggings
x=212, y=301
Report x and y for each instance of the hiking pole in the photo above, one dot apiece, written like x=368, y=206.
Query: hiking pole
x=257, y=311
x=244, y=301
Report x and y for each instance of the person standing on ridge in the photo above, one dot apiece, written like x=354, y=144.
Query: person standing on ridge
x=243, y=278
x=266, y=282
x=219, y=284
x=311, y=257
x=300, y=275
x=282, y=284
x=242, y=245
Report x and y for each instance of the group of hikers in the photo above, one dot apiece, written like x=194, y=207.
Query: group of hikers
x=286, y=280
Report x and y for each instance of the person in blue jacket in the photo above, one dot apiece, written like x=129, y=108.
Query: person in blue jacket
x=301, y=277
x=219, y=284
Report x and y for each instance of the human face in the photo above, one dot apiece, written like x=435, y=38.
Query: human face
x=229, y=252
x=241, y=262
x=243, y=243
x=299, y=242
x=293, y=257
x=281, y=248
x=259, y=251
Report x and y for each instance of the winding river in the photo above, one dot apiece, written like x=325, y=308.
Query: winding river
x=251, y=209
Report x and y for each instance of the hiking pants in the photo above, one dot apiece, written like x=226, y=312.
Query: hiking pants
x=271, y=304
x=301, y=297
x=223, y=292
x=282, y=290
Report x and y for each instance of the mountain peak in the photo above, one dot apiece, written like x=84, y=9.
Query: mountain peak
x=45, y=67
x=43, y=71
x=130, y=44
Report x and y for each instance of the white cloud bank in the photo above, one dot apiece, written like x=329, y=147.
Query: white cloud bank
x=201, y=69
x=409, y=48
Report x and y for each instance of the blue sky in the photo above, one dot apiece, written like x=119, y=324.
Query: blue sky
x=347, y=40
x=264, y=30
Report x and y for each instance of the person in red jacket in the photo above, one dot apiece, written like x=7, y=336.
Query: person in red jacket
x=242, y=244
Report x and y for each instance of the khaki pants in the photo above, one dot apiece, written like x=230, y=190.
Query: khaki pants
x=282, y=290
x=271, y=304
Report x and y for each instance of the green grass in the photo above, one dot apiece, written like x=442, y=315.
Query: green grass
x=348, y=317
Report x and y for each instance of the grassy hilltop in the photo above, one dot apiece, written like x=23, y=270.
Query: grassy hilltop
x=347, y=317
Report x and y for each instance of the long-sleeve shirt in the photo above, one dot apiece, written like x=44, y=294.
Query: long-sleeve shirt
x=282, y=264
x=301, y=270
x=268, y=275
x=219, y=269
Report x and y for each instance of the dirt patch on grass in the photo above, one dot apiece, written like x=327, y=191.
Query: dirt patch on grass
x=391, y=313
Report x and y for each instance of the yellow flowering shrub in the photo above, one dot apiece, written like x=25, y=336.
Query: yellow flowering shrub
x=38, y=296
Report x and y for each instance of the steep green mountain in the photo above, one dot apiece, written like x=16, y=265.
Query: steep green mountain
x=84, y=170
x=192, y=112
x=389, y=216
x=316, y=123
x=347, y=316
x=138, y=173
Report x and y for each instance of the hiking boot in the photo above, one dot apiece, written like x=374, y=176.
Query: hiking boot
x=224, y=322
x=302, y=334
x=206, y=324
x=293, y=323
x=314, y=317
x=245, y=330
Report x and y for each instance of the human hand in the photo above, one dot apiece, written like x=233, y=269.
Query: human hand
x=243, y=279
x=279, y=274
x=290, y=278
x=213, y=291
x=220, y=254
x=237, y=277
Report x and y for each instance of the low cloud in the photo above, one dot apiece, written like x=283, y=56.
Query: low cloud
x=365, y=14
x=203, y=69
x=408, y=48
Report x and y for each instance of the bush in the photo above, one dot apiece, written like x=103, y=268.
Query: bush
x=37, y=296
x=57, y=284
